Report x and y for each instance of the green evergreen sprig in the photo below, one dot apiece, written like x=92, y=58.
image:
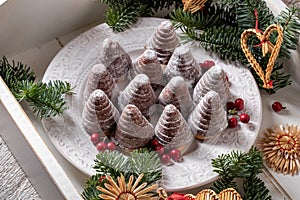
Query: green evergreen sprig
x=245, y=166
x=13, y=73
x=45, y=99
x=113, y=163
x=120, y=17
x=289, y=20
x=121, y=14
x=90, y=191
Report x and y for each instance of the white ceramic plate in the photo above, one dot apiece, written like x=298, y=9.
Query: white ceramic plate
x=73, y=63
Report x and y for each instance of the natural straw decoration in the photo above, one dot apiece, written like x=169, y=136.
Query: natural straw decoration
x=129, y=191
x=281, y=149
x=193, y=5
x=227, y=194
x=207, y=194
x=267, y=46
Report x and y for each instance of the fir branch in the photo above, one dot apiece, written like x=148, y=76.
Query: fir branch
x=111, y=163
x=198, y=20
x=246, y=18
x=222, y=40
x=61, y=87
x=14, y=73
x=255, y=188
x=238, y=164
x=139, y=163
x=226, y=4
x=46, y=100
x=121, y=18
x=157, y=5
x=289, y=20
x=222, y=9
x=244, y=166
x=223, y=183
x=121, y=14
x=282, y=79
x=90, y=191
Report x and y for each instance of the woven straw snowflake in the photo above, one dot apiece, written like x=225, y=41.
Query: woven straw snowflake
x=281, y=149
x=126, y=191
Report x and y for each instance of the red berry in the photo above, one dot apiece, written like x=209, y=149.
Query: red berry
x=207, y=64
x=230, y=105
x=165, y=159
x=175, y=154
x=154, y=143
x=159, y=149
x=232, y=122
x=245, y=118
x=111, y=146
x=95, y=138
x=239, y=104
x=227, y=79
x=277, y=106
x=101, y=146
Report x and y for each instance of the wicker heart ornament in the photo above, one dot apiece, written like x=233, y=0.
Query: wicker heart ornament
x=267, y=46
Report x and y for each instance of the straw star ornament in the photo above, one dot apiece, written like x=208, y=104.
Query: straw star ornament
x=281, y=149
x=126, y=191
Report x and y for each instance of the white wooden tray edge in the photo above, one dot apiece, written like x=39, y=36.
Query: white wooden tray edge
x=38, y=146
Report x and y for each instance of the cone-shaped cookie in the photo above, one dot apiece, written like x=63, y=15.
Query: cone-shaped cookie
x=176, y=92
x=182, y=63
x=115, y=58
x=208, y=119
x=148, y=64
x=164, y=41
x=139, y=93
x=133, y=130
x=99, y=114
x=214, y=79
x=172, y=130
x=100, y=78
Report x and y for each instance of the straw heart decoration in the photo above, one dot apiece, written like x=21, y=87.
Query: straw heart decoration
x=267, y=46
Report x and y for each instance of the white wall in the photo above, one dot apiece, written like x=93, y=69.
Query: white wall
x=27, y=23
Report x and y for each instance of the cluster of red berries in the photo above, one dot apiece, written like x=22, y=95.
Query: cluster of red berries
x=233, y=108
x=102, y=145
x=166, y=156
